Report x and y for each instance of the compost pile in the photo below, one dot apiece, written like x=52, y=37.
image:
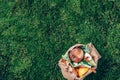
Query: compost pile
x=79, y=61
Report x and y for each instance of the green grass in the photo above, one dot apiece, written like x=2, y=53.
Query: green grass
x=35, y=33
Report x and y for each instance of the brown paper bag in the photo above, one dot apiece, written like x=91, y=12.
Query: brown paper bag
x=67, y=70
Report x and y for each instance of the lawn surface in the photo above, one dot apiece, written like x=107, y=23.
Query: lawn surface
x=35, y=33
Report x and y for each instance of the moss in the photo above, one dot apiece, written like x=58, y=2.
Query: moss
x=34, y=35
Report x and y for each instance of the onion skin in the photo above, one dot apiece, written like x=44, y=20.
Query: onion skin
x=76, y=55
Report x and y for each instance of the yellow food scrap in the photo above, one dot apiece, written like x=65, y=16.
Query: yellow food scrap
x=82, y=71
